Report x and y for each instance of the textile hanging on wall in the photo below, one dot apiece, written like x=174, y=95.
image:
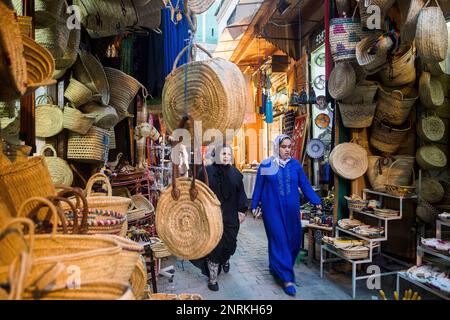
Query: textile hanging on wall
x=300, y=127
x=126, y=55
x=288, y=123
x=175, y=39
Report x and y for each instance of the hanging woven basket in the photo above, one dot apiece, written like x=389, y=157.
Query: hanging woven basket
x=395, y=105
x=345, y=34
x=149, y=14
x=54, y=38
x=431, y=91
x=76, y=121
x=372, y=63
x=357, y=115
x=364, y=92
x=49, y=117
x=408, y=30
x=431, y=190
x=430, y=128
x=71, y=51
x=349, y=160
x=77, y=93
x=48, y=12
x=399, y=174
x=106, y=117
x=387, y=138
x=90, y=147
x=342, y=81
x=59, y=169
x=431, y=157
x=401, y=71
x=400, y=190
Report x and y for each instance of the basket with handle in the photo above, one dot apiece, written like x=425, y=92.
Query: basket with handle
x=387, y=138
x=431, y=91
x=365, y=90
x=395, y=105
x=408, y=30
x=357, y=115
x=379, y=166
x=401, y=69
x=345, y=34
x=58, y=168
x=106, y=117
x=397, y=190
x=77, y=121
x=49, y=117
x=78, y=93
x=90, y=147
x=372, y=63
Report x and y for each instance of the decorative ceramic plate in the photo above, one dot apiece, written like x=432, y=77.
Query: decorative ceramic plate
x=322, y=121
x=315, y=148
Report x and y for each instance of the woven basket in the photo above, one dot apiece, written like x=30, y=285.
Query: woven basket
x=123, y=90
x=138, y=279
x=387, y=138
x=349, y=160
x=443, y=111
x=395, y=105
x=355, y=253
x=426, y=212
x=134, y=212
x=400, y=173
x=7, y=109
x=93, y=146
x=431, y=91
x=90, y=72
x=342, y=81
x=190, y=296
x=430, y=128
x=357, y=115
x=431, y=158
x=400, y=190
x=144, y=205
x=149, y=14
x=199, y=6
x=216, y=94
x=48, y=12
x=26, y=25
x=431, y=190
x=408, y=30
x=383, y=5
x=58, y=168
x=345, y=34
x=432, y=34
x=77, y=93
x=189, y=218
x=401, y=70
x=356, y=204
x=112, y=139
x=13, y=75
x=372, y=63
x=106, y=117
x=49, y=117
x=71, y=52
x=54, y=38
x=76, y=121
x=364, y=92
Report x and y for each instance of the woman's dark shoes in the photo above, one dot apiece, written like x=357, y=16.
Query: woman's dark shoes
x=213, y=286
x=226, y=267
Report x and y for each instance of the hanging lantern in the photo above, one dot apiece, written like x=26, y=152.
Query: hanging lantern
x=293, y=101
x=303, y=99
x=312, y=96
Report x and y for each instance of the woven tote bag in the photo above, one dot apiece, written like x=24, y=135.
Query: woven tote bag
x=49, y=117
x=395, y=105
x=400, y=174
x=76, y=121
x=58, y=168
x=345, y=34
x=408, y=30
x=401, y=70
x=90, y=147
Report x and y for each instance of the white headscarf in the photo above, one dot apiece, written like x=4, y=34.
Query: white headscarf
x=276, y=150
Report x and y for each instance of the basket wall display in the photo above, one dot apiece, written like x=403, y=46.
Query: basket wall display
x=430, y=128
x=349, y=160
x=399, y=174
x=13, y=75
x=357, y=115
x=431, y=190
x=345, y=34
x=216, y=94
x=395, y=105
x=59, y=169
x=76, y=121
x=400, y=190
x=106, y=117
x=372, y=63
x=401, y=71
x=49, y=117
x=431, y=34
x=431, y=91
x=387, y=138
x=188, y=218
x=93, y=146
x=342, y=81
x=431, y=157
x=364, y=92
x=408, y=30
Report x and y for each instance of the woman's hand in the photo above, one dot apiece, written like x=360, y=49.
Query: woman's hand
x=241, y=217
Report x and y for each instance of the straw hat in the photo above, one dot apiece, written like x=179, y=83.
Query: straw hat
x=349, y=160
x=13, y=67
x=431, y=91
x=342, y=81
x=199, y=6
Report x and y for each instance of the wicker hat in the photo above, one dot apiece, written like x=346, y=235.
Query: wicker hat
x=342, y=81
x=13, y=67
x=430, y=157
x=54, y=38
x=199, y=6
x=431, y=91
x=349, y=160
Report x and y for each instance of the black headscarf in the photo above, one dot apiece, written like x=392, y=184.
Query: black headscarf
x=222, y=175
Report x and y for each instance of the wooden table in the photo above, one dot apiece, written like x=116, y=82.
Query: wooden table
x=312, y=241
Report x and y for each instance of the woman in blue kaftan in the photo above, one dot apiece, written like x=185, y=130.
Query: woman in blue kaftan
x=276, y=189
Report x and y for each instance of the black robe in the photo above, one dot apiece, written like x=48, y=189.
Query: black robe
x=227, y=183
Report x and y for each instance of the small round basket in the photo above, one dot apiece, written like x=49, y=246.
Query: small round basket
x=430, y=157
x=58, y=168
x=430, y=128
x=431, y=91
x=431, y=190
x=349, y=160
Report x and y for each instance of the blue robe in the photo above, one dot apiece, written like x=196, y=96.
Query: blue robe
x=277, y=191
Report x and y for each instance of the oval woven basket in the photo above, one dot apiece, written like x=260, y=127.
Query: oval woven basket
x=349, y=160
x=402, y=69
x=342, y=81
x=357, y=115
x=90, y=147
x=364, y=92
x=345, y=34
x=408, y=30
x=13, y=75
x=400, y=174
x=77, y=93
x=431, y=158
x=431, y=190
x=106, y=117
x=49, y=117
x=58, y=168
x=199, y=6
x=190, y=229
x=430, y=128
x=395, y=105
x=431, y=91
x=432, y=34
x=76, y=121
x=387, y=138
x=372, y=63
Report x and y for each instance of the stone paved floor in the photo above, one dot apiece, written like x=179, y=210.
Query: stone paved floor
x=249, y=277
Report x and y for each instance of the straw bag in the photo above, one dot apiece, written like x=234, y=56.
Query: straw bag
x=431, y=91
x=363, y=5
x=77, y=93
x=199, y=6
x=345, y=34
x=395, y=105
x=216, y=94
x=408, y=30
x=143, y=204
x=90, y=72
x=49, y=117
x=123, y=90
x=189, y=218
x=432, y=34
x=396, y=189
x=430, y=128
x=138, y=279
x=76, y=121
x=372, y=63
x=58, y=168
x=401, y=70
x=431, y=190
x=431, y=158
x=93, y=146
x=106, y=117
x=400, y=173
x=342, y=81
x=387, y=138
x=13, y=67
x=349, y=160
x=365, y=92
x=357, y=115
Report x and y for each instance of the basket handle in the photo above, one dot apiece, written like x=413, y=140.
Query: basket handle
x=400, y=160
x=95, y=178
x=49, y=146
x=43, y=202
x=78, y=193
x=397, y=94
x=429, y=2
x=184, y=50
x=44, y=98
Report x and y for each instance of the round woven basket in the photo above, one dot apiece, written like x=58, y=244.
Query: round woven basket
x=395, y=105
x=49, y=117
x=431, y=158
x=345, y=34
x=402, y=69
x=199, y=6
x=431, y=190
x=430, y=128
x=408, y=30
x=58, y=168
x=400, y=174
x=138, y=279
x=342, y=81
x=431, y=91
x=189, y=219
x=77, y=93
x=149, y=14
x=357, y=115
x=13, y=75
x=123, y=90
x=106, y=117
x=431, y=34
x=372, y=63
x=387, y=138
x=349, y=160
x=364, y=92
x=54, y=38
x=76, y=121
x=90, y=72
